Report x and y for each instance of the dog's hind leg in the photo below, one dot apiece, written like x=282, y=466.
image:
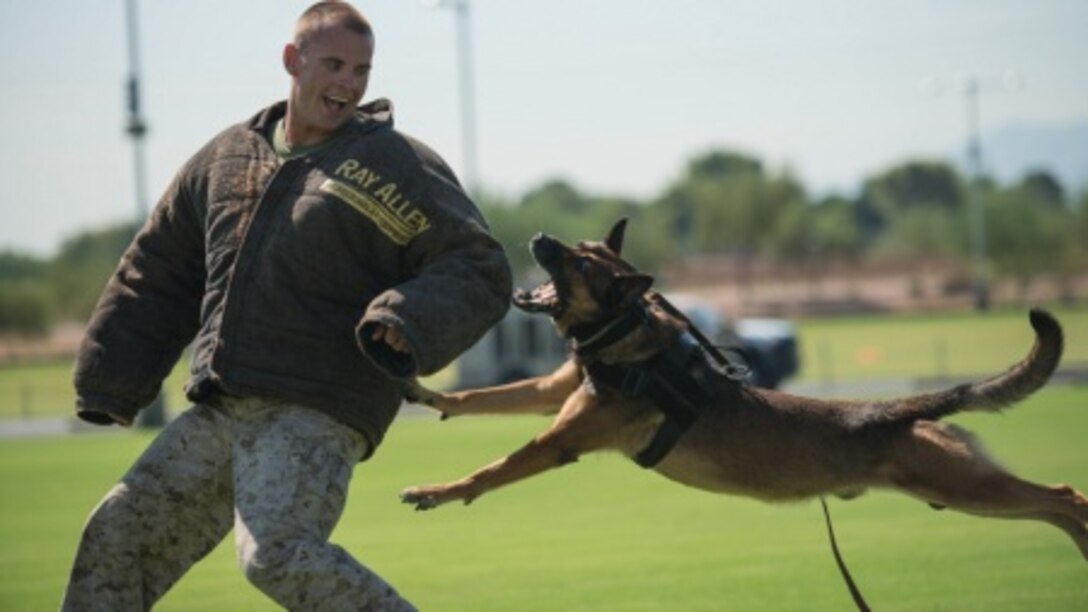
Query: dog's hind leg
x=943, y=464
x=1076, y=530
x=1068, y=519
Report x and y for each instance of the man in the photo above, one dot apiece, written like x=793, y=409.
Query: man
x=320, y=259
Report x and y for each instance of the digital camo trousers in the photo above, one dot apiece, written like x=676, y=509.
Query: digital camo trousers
x=278, y=474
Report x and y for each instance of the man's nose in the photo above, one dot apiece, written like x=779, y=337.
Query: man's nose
x=348, y=80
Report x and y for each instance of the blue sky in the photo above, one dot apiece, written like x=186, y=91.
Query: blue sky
x=613, y=95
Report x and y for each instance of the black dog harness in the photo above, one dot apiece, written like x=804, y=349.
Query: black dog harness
x=678, y=379
x=669, y=380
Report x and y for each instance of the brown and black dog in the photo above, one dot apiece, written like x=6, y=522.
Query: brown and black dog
x=756, y=442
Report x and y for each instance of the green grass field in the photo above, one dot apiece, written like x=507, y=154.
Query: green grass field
x=603, y=535
x=929, y=345
x=600, y=534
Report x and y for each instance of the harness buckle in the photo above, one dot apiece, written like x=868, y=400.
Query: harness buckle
x=738, y=373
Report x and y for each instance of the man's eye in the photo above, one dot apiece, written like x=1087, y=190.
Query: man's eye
x=362, y=71
x=333, y=65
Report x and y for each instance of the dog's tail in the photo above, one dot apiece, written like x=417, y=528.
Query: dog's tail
x=993, y=394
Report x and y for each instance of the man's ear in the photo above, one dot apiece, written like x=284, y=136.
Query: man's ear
x=614, y=241
x=290, y=59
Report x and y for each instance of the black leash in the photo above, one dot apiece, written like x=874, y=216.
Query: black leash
x=859, y=601
x=732, y=371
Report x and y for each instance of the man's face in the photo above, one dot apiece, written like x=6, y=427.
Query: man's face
x=329, y=76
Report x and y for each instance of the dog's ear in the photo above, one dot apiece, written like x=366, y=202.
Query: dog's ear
x=614, y=241
x=631, y=287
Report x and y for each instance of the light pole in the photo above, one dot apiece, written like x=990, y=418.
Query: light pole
x=135, y=127
x=154, y=414
x=467, y=87
x=977, y=219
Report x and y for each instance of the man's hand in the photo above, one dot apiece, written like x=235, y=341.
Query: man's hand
x=388, y=349
x=389, y=336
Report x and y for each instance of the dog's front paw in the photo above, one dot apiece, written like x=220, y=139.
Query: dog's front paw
x=420, y=497
x=418, y=394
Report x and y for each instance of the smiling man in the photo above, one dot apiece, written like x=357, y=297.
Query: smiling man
x=316, y=260
x=329, y=62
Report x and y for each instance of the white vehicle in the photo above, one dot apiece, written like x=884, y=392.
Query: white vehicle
x=524, y=345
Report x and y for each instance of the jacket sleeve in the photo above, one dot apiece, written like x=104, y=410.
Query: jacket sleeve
x=147, y=314
x=459, y=287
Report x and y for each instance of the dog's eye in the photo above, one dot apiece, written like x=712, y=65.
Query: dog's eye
x=582, y=265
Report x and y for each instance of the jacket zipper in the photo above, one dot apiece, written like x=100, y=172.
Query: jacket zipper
x=234, y=294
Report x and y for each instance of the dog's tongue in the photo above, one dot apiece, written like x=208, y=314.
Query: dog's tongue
x=542, y=299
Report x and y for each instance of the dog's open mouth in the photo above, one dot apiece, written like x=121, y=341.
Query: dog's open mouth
x=543, y=299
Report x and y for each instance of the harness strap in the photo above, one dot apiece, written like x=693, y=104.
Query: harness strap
x=667, y=380
x=732, y=371
x=664, y=439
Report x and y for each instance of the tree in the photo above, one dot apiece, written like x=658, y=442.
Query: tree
x=922, y=233
x=724, y=164
x=558, y=208
x=80, y=270
x=824, y=231
x=1044, y=187
x=16, y=267
x=726, y=203
x=24, y=298
x=24, y=309
x=818, y=235
x=911, y=185
x=679, y=206
x=1029, y=236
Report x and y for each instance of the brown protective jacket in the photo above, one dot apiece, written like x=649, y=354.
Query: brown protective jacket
x=280, y=270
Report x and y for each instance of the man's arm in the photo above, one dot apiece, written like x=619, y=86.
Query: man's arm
x=459, y=286
x=147, y=314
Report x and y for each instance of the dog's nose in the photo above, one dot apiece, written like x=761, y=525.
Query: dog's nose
x=544, y=248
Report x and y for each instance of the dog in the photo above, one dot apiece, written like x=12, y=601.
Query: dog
x=700, y=427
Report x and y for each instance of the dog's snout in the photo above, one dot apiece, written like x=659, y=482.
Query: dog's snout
x=545, y=249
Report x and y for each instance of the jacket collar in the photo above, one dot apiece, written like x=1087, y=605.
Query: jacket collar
x=376, y=113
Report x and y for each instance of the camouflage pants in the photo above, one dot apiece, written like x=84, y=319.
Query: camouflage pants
x=278, y=474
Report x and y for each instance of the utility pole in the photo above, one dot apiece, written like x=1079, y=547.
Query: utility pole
x=972, y=86
x=467, y=85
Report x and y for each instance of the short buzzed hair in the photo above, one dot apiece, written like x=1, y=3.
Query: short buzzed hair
x=327, y=15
